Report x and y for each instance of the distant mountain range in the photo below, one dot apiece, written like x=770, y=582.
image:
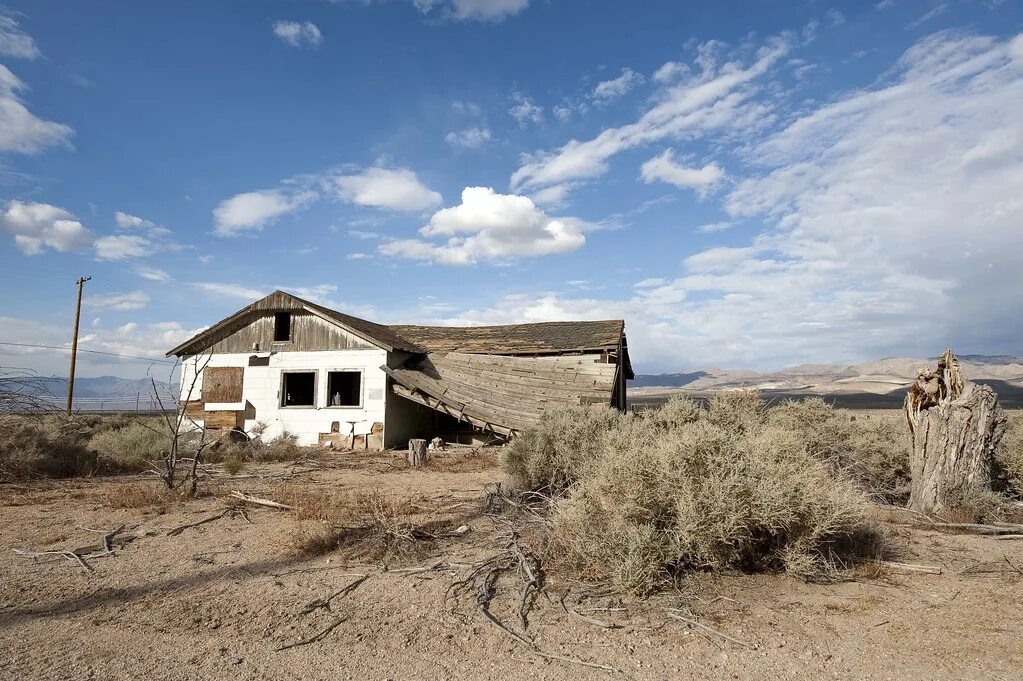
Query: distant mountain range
x=106, y=393
x=879, y=383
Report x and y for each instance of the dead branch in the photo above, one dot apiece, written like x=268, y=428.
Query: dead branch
x=81, y=555
x=693, y=623
x=905, y=567
x=259, y=501
x=234, y=510
x=314, y=638
x=575, y=614
x=325, y=602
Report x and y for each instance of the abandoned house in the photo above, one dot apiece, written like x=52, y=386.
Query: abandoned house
x=285, y=364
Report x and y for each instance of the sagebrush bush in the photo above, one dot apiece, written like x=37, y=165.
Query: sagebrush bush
x=638, y=500
x=132, y=447
x=874, y=451
x=284, y=447
x=559, y=451
x=44, y=446
x=1009, y=455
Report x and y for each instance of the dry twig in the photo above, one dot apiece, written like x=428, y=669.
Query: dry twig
x=693, y=623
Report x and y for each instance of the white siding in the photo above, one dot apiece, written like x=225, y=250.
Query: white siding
x=262, y=384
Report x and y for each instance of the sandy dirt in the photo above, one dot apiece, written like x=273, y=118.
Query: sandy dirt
x=220, y=599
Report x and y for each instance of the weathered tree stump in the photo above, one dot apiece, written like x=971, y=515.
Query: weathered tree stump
x=954, y=426
x=416, y=452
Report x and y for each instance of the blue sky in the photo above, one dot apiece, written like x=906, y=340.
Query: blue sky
x=748, y=184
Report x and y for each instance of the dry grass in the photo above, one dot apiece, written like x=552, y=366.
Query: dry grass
x=44, y=447
x=363, y=525
x=639, y=500
x=134, y=446
x=458, y=462
x=140, y=495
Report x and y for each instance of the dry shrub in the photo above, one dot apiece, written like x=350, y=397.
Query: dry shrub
x=284, y=447
x=640, y=500
x=140, y=495
x=131, y=447
x=461, y=463
x=364, y=525
x=44, y=447
x=559, y=451
x=1009, y=455
x=873, y=451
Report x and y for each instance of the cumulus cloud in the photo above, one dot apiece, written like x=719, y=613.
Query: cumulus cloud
x=14, y=42
x=477, y=10
x=126, y=221
x=387, y=188
x=670, y=71
x=663, y=168
x=298, y=34
x=251, y=211
x=525, y=110
x=37, y=227
x=716, y=98
x=21, y=131
x=152, y=273
x=490, y=226
x=119, y=302
x=122, y=246
x=610, y=90
x=886, y=211
x=472, y=138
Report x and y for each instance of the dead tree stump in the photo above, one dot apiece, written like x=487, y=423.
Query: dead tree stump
x=954, y=427
x=416, y=452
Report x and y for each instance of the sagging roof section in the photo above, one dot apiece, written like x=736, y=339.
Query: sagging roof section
x=511, y=339
x=503, y=394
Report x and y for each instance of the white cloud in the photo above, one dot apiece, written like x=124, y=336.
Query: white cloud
x=251, y=211
x=477, y=10
x=14, y=42
x=490, y=226
x=888, y=213
x=669, y=72
x=122, y=246
x=610, y=90
x=127, y=221
x=39, y=226
x=230, y=290
x=120, y=302
x=927, y=16
x=663, y=168
x=362, y=234
x=835, y=18
x=152, y=273
x=472, y=138
x=298, y=34
x=713, y=227
x=715, y=99
x=562, y=112
x=387, y=188
x=22, y=131
x=524, y=110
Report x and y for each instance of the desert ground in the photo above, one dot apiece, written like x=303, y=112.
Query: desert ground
x=226, y=598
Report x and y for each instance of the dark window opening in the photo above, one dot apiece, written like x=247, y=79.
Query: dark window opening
x=282, y=326
x=298, y=389
x=344, y=388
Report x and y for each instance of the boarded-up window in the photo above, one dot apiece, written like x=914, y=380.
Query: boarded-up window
x=222, y=384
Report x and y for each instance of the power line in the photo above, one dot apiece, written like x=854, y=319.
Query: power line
x=93, y=352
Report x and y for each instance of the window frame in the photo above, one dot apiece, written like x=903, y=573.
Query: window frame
x=291, y=327
x=362, y=388
x=281, y=392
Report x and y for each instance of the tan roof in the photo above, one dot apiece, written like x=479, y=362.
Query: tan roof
x=517, y=338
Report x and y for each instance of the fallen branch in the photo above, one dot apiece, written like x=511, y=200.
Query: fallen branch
x=325, y=602
x=258, y=501
x=313, y=639
x=704, y=627
x=80, y=555
x=1009, y=537
x=572, y=612
x=233, y=511
x=906, y=567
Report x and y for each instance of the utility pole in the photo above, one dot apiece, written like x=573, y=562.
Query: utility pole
x=74, y=344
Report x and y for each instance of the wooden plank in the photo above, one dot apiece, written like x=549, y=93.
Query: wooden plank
x=222, y=419
x=222, y=384
x=194, y=409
